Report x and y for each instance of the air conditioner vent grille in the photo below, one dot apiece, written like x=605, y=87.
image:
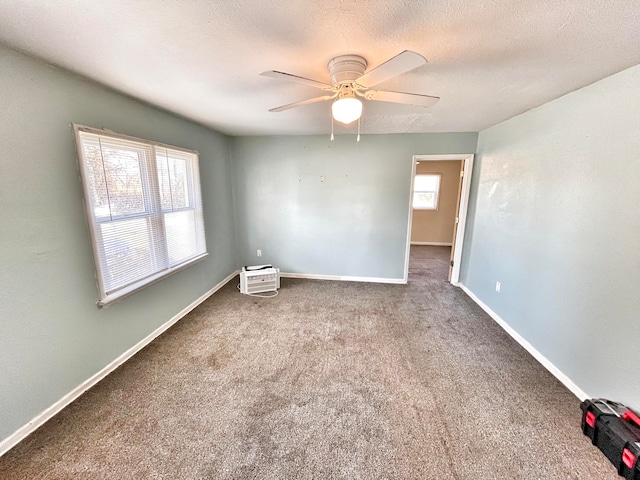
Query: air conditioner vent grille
x=259, y=281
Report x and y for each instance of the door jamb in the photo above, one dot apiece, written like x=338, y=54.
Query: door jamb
x=467, y=159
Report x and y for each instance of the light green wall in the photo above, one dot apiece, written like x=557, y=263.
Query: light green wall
x=554, y=218
x=52, y=335
x=354, y=223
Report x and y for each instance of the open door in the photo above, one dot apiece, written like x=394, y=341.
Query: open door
x=457, y=220
x=464, y=187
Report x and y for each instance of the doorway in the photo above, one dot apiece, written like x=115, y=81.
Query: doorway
x=461, y=184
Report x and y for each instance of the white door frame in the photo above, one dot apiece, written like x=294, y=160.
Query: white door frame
x=467, y=158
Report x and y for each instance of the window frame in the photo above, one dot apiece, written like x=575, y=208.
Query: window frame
x=153, y=212
x=436, y=192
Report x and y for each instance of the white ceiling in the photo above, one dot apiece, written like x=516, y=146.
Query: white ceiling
x=488, y=59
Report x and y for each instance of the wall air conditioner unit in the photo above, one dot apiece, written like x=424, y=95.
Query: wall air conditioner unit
x=259, y=279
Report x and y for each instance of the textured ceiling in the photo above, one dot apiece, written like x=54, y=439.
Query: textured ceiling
x=488, y=59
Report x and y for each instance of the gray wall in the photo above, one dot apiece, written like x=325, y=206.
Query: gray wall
x=52, y=335
x=352, y=224
x=554, y=218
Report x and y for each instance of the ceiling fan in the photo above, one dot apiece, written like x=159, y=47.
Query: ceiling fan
x=350, y=81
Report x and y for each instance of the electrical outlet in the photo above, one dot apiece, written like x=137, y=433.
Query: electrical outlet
x=259, y=253
x=498, y=287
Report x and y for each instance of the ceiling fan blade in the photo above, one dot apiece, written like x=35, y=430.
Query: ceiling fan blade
x=399, y=97
x=303, y=102
x=401, y=63
x=297, y=79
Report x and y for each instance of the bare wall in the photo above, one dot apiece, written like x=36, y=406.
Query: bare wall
x=53, y=337
x=554, y=218
x=338, y=208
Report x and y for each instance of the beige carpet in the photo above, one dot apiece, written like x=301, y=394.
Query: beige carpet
x=329, y=380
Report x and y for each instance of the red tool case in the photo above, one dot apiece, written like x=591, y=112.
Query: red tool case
x=615, y=430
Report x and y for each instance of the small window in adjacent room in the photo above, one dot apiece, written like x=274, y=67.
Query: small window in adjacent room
x=144, y=209
x=426, y=190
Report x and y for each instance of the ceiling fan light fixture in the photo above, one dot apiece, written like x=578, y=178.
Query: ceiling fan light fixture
x=346, y=110
x=350, y=79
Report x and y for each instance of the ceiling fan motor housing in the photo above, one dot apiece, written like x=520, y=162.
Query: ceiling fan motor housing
x=346, y=68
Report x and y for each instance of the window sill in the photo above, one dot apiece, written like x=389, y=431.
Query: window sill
x=134, y=287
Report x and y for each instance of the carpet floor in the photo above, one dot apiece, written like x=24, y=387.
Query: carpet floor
x=329, y=380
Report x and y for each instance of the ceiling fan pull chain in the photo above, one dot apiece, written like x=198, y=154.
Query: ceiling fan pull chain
x=358, y=137
x=332, y=128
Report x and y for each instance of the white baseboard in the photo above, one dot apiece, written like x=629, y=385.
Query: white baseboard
x=343, y=278
x=434, y=244
x=555, y=371
x=40, y=419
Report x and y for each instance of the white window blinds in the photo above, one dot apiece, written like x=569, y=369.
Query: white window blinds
x=144, y=209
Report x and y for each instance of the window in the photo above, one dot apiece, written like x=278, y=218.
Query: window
x=426, y=190
x=144, y=209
